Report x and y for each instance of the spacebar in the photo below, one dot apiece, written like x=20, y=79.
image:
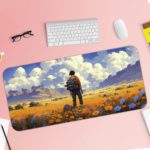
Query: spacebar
x=71, y=42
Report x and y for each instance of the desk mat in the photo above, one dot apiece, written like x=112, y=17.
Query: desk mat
x=44, y=94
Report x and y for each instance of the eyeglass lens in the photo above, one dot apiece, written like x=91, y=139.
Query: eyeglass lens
x=27, y=34
x=16, y=38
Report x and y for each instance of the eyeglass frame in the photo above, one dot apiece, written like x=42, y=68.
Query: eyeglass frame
x=21, y=35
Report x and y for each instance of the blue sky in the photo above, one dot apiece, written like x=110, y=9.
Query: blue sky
x=87, y=57
x=91, y=68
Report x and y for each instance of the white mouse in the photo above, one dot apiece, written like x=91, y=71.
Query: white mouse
x=121, y=29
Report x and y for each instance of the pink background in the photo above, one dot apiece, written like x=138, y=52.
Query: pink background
x=117, y=132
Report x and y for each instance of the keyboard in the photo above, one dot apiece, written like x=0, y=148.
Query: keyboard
x=72, y=32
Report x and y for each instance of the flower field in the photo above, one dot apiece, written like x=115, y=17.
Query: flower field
x=104, y=101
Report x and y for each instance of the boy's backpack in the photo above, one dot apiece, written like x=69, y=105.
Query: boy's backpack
x=72, y=84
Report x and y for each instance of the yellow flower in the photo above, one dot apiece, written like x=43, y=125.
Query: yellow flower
x=143, y=97
x=101, y=105
x=95, y=113
x=80, y=118
x=51, y=121
x=138, y=104
x=58, y=120
x=124, y=106
x=108, y=108
x=59, y=116
x=66, y=115
x=84, y=111
x=71, y=117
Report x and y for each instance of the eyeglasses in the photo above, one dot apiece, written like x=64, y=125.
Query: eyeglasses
x=26, y=34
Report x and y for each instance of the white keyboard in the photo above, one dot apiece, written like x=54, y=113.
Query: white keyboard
x=72, y=32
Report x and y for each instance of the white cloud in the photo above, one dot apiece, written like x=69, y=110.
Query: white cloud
x=36, y=72
x=99, y=73
x=64, y=72
x=51, y=77
x=54, y=73
x=134, y=54
x=60, y=85
x=46, y=66
x=52, y=86
x=20, y=80
x=17, y=83
x=117, y=61
x=83, y=70
x=20, y=72
x=9, y=87
x=34, y=81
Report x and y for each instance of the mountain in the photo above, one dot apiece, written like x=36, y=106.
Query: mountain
x=131, y=73
x=35, y=93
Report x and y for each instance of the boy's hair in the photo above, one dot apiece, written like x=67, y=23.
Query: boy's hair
x=72, y=72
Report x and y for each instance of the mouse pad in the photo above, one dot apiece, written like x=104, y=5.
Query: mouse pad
x=74, y=88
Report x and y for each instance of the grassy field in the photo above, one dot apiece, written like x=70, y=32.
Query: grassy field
x=104, y=101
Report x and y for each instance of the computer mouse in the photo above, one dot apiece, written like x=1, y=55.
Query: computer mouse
x=120, y=29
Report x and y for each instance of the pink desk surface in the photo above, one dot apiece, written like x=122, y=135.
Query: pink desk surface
x=117, y=132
